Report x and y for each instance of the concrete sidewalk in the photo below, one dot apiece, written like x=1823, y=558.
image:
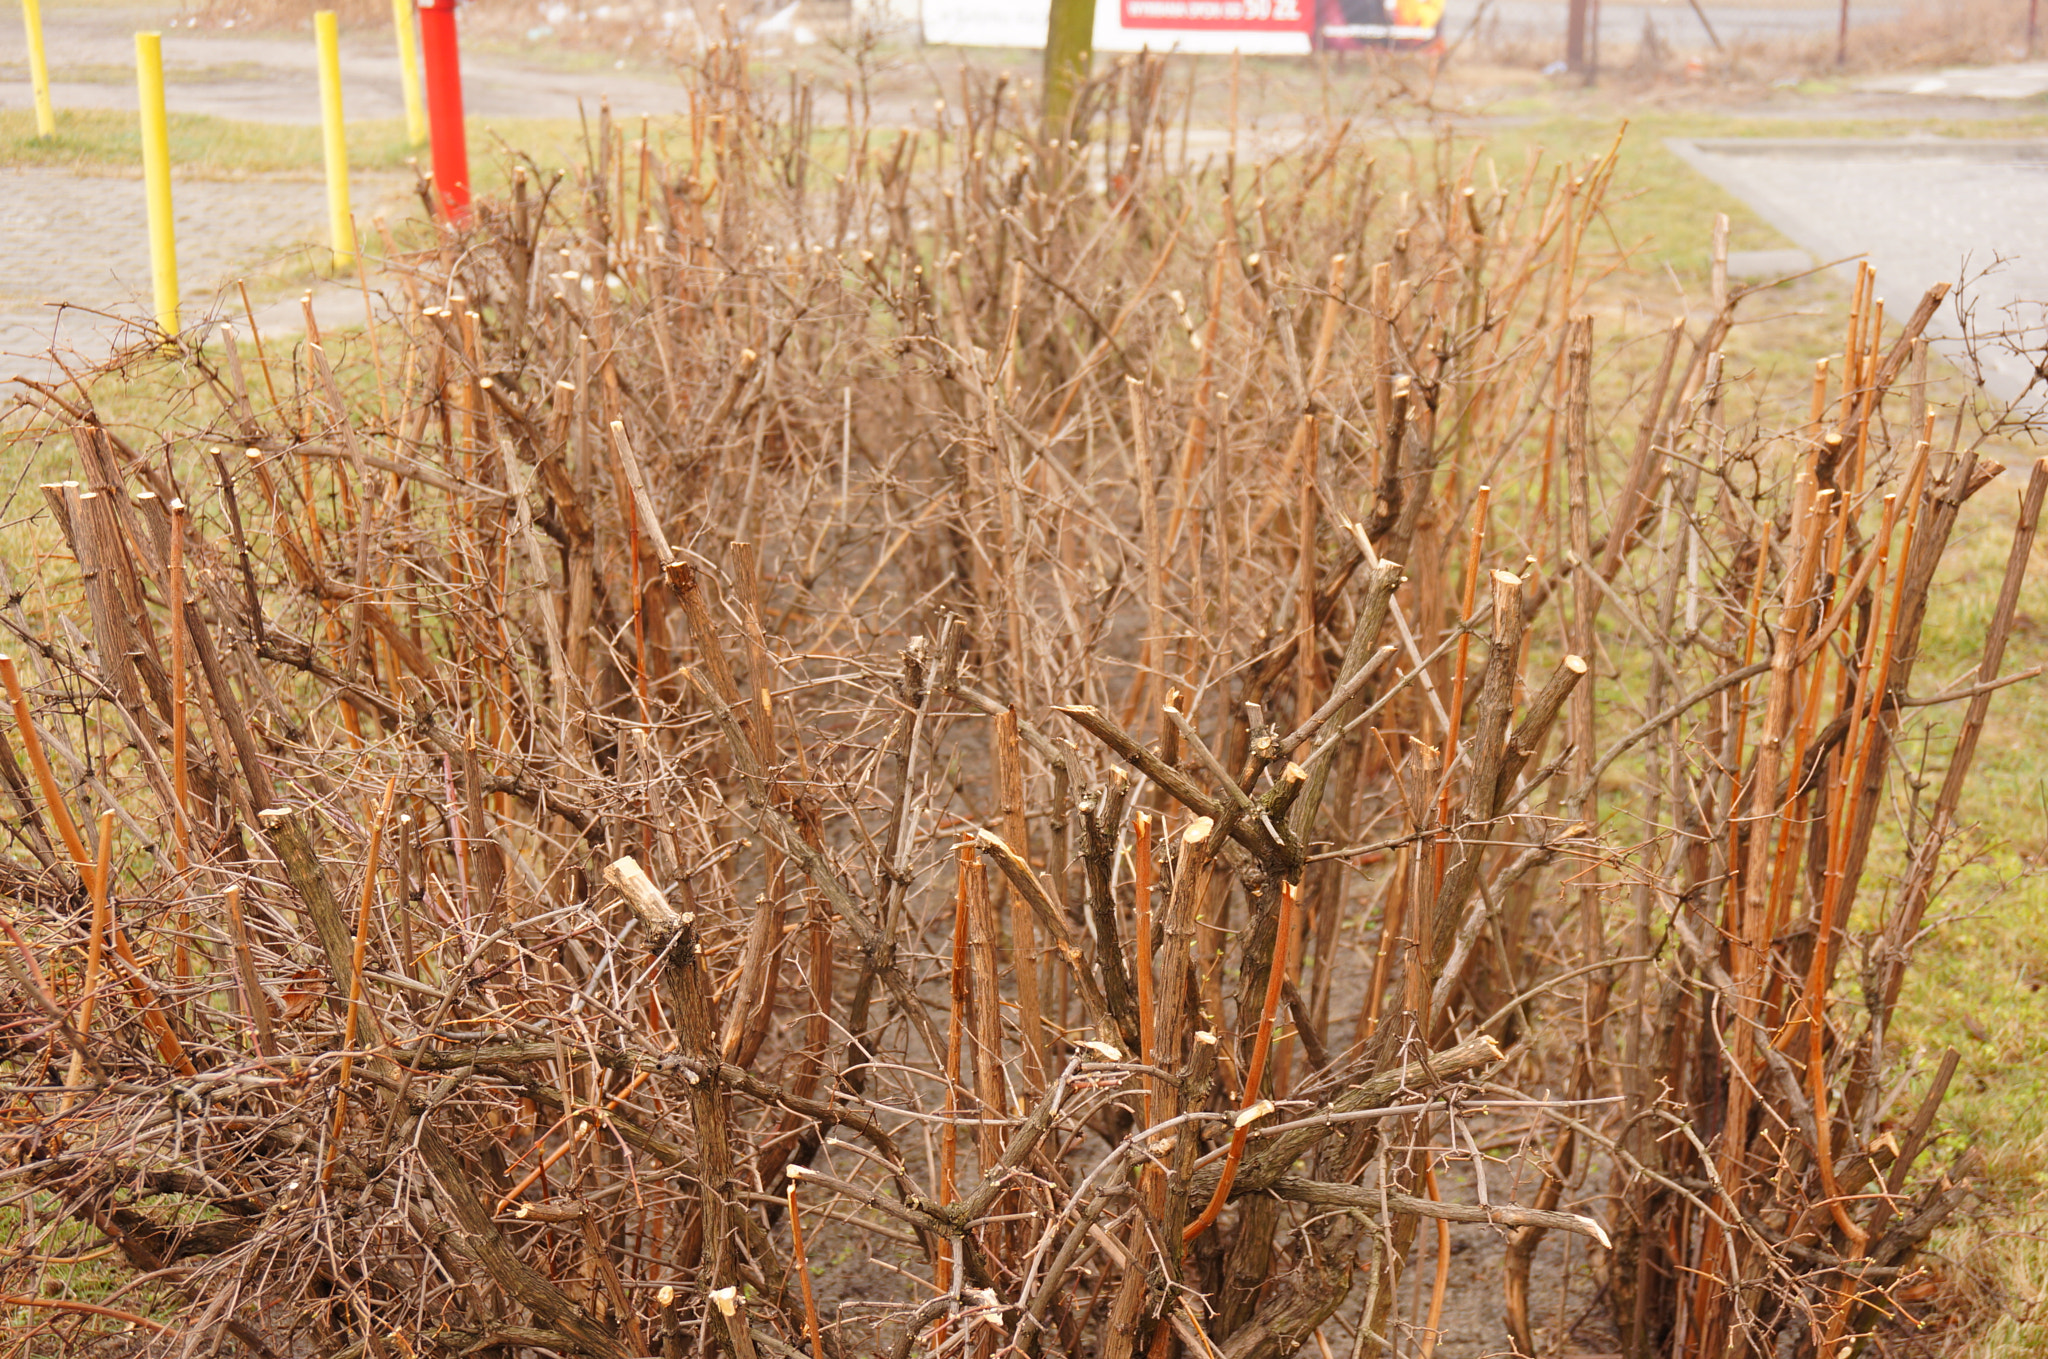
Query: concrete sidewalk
x=1922, y=211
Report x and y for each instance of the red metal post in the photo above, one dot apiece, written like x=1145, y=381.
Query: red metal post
x=444, y=106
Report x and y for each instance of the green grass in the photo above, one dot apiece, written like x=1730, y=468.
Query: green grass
x=115, y=73
x=36, y=1243
x=1980, y=981
x=225, y=148
x=1984, y=984
x=200, y=145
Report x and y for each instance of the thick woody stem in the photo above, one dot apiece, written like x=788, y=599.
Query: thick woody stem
x=672, y=939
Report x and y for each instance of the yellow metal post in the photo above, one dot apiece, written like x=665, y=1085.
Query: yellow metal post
x=38, y=69
x=341, y=227
x=409, y=72
x=156, y=177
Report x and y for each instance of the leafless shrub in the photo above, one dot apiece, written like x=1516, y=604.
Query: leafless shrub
x=854, y=741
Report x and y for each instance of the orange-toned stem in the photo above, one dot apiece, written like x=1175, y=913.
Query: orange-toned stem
x=146, y=1003
x=583, y=1128
x=91, y=1309
x=1471, y=602
x=1819, y=970
x=1256, y=1072
x=32, y=743
x=1849, y=767
x=578, y=1134
x=1749, y=942
x=1390, y=933
x=102, y=876
x=256, y=342
x=98, y=877
x=1753, y=617
x=1443, y=1261
x=1867, y=408
x=94, y=955
x=1818, y=409
x=803, y=1274
x=1852, y=343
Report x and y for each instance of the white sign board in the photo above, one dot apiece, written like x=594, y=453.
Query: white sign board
x=1268, y=27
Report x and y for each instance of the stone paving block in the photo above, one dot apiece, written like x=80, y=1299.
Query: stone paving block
x=1922, y=211
x=82, y=240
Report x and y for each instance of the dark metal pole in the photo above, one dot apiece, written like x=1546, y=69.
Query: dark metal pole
x=1711, y=34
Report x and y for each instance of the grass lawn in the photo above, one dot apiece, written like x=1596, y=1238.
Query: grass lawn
x=206, y=147
x=1978, y=985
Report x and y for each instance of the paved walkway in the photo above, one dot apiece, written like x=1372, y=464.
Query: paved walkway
x=271, y=77
x=82, y=240
x=1922, y=212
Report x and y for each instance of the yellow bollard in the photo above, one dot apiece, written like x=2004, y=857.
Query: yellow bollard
x=341, y=227
x=38, y=69
x=156, y=177
x=409, y=72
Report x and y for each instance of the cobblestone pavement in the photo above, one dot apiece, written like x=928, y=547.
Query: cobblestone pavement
x=271, y=77
x=1923, y=212
x=83, y=240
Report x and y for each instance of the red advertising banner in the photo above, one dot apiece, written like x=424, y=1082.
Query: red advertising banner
x=1378, y=23
x=1240, y=16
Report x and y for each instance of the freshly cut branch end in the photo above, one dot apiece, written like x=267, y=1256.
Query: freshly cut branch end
x=643, y=898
